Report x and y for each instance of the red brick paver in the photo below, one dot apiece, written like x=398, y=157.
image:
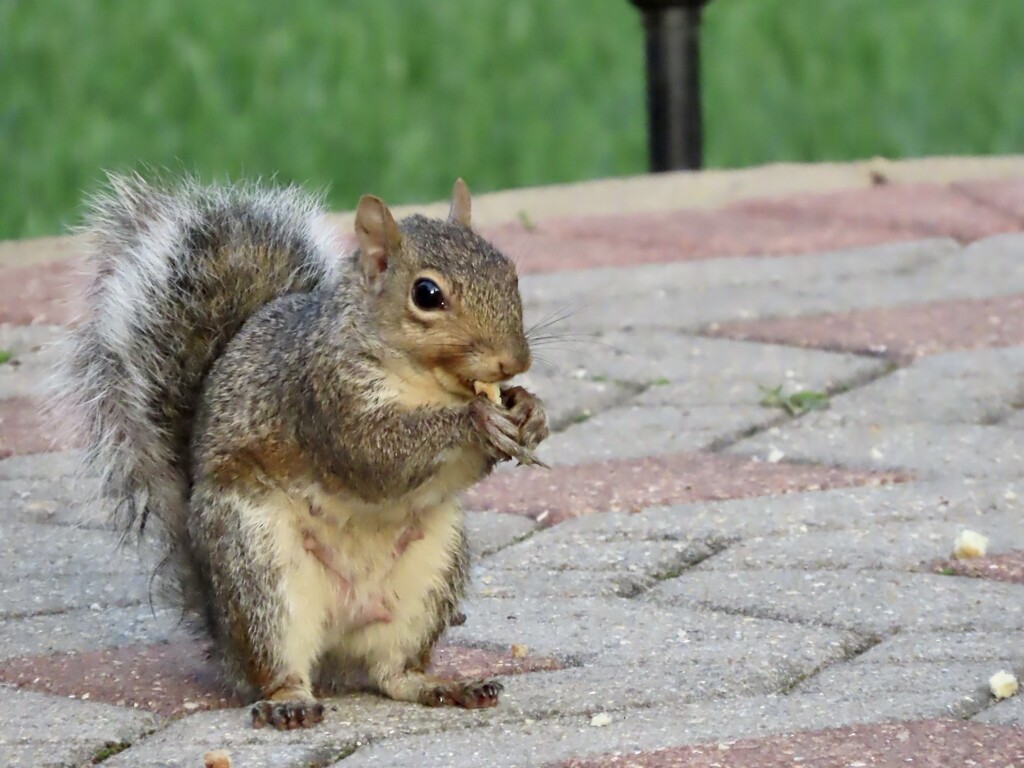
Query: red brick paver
x=550, y=496
x=924, y=210
x=649, y=238
x=46, y=293
x=902, y=333
x=25, y=429
x=1006, y=196
x=923, y=744
x=770, y=227
x=39, y=293
x=175, y=679
x=1004, y=567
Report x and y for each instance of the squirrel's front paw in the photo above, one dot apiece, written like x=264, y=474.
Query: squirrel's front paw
x=498, y=434
x=527, y=411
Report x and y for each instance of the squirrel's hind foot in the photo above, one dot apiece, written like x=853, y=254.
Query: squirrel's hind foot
x=416, y=686
x=474, y=694
x=287, y=715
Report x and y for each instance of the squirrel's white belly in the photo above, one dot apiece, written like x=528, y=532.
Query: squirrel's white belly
x=358, y=578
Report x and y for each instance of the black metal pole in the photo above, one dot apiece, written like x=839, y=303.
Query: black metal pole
x=672, y=31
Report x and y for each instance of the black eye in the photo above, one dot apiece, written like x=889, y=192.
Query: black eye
x=426, y=294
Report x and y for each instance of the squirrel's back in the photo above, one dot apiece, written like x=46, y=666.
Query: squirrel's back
x=178, y=270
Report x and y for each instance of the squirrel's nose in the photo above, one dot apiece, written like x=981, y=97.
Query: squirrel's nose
x=510, y=365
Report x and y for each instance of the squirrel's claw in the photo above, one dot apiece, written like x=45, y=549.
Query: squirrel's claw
x=526, y=410
x=287, y=715
x=528, y=458
x=475, y=694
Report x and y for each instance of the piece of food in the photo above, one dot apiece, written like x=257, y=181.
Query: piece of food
x=217, y=758
x=1003, y=685
x=519, y=651
x=601, y=719
x=969, y=544
x=488, y=390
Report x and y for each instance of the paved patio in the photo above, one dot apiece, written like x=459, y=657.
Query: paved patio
x=705, y=577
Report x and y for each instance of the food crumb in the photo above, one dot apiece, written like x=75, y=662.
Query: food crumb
x=600, y=720
x=217, y=758
x=1003, y=685
x=519, y=651
x=488, y=390
x=969, y=544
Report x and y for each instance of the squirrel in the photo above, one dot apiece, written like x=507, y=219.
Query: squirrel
x=297, y=421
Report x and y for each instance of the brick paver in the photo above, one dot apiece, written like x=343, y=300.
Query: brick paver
x=703, y=577
x=1005, y=196
x=902, y=333
x=930, y=743
x=1008, y=566
x=27, y=429
x=41, y=293
x=174, y=679
x=630, y=485
x=924, y=210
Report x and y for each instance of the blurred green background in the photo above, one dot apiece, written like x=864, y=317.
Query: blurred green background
x=399, y=96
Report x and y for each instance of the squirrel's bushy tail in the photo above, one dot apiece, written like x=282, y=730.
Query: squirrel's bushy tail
x=177, y=270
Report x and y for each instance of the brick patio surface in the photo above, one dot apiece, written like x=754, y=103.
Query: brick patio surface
x=771, y=419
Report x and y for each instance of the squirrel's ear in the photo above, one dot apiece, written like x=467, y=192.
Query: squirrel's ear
x=377, y=234
x=459, y=212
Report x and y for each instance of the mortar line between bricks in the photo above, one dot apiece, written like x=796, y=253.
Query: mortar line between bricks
x=957, y=188
x=715, y=548
x=711, y=332
x=869, y=642
x=634, y=391
x=516, y=540
x=841, y=388
x=786, y=216
x=55, y=612
x=553, y=716
x=989, y=701
x=769, y=616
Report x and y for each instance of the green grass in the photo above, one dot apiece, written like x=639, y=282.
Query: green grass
x=794, y=403
x=399, y=96
x=108, y=750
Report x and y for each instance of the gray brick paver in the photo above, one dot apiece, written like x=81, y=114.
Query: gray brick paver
x=558, y=549
x=34, y=355
x=28, y=549
x=41, y=730
x=973, y=387
x=797, y=513
x=490, y=532
x=1008, y=712
x=695, y=295
x=695, y=371
x=881, y=602
x=961, y=686
x=532, y=743
x=634, y=431
x=889, y=546
x=917, y=647
x=40, y=466
x=936, y=451
x=706, y=621
x=606, y=630
x=36, y=595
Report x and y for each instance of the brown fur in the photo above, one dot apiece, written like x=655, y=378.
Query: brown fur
x=299, y=428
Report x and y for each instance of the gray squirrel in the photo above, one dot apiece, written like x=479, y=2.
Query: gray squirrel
x=294, y=424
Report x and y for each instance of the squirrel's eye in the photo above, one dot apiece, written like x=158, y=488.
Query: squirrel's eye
x=426, y=294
